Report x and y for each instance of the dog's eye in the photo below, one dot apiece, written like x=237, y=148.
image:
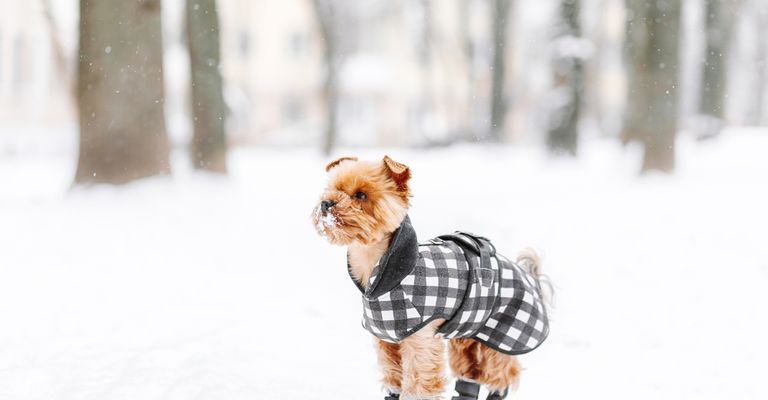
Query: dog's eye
x=361, y=196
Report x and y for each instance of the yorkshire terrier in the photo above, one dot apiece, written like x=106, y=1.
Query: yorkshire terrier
x=415, y=295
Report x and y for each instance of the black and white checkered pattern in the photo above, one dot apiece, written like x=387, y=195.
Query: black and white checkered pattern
x=492, y=300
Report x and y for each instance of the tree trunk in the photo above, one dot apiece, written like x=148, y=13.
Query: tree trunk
x=652, y=46
x=757, y=115
x=563, y=135
x=120, y=92
x=498, y=101
x=660, y=126
x=635, y=49
x=331, y=94
x=209, y=142
x=719, y=23
x=324, y=12
x=468, y=52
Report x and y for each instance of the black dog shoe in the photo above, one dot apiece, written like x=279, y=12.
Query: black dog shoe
x=497, y=395
x=466, y=390
x=393, y=396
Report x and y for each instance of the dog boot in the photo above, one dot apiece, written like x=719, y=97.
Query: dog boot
x=496, y=395
x=467, y=390
x=393, y=396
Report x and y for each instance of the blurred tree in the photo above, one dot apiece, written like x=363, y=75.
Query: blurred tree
x=340, y=23
x=757, y=109
x=719, y=17
x=326, y=12
x=471, y=127
x=635, y=47
x=120, y=92
x=425, y=47
x=209, y=142
x=500, y=15
x=651, y=117
x=569, y=51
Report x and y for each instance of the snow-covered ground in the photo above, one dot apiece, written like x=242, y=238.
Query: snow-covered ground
x=198, y=287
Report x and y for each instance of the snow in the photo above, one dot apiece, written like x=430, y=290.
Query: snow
x=201, y=287
x=324, y=221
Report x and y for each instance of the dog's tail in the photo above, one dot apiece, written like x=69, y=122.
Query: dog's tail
x=530, y=260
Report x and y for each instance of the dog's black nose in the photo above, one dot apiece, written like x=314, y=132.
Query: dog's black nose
x=326, y=205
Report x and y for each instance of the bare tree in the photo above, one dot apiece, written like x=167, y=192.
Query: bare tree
x=468, y=52
x=636, y=47
x=209, y=142
x=340, y=24
x=120, y=92
x=757, y=109
x=652, y=106
x=719, y=26
x=567, y=65
x=327, y=13
x=425, y=48
x=500, y=19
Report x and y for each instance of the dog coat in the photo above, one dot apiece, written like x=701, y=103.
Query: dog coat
x=458, y=278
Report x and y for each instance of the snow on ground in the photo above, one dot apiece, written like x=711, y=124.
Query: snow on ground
x=198, y=287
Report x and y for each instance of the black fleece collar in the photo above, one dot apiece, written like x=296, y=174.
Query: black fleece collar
x=396, y=263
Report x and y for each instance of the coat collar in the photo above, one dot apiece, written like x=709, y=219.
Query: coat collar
x=396, y=263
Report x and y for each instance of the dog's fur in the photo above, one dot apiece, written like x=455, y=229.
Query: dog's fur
x=365, y=223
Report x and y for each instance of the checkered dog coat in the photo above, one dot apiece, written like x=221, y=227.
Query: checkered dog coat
x=458, y=278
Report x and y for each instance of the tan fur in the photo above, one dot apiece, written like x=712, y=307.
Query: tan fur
x=414, y=367
x=464, y=357
x=390, y=363
x=422, y=364
x=399, y=173
x=498, y=370
x=337, y=162
x=530, y=260
x=474, y=361
x=362, y=258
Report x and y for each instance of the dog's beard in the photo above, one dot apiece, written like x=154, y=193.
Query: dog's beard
x=333, y=228
x=324, y=221
x=325, y=224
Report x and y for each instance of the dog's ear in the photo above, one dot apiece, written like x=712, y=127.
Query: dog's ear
x=337, y=162
x=398, y=172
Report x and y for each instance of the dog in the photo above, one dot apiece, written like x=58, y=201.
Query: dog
x=415, y=295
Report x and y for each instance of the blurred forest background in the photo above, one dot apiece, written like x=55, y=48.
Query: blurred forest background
x=626, y=139
x=134, y=80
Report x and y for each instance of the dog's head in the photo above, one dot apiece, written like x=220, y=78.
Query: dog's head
x=364, y=200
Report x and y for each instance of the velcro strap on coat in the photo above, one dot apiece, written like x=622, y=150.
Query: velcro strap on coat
x=470, y=242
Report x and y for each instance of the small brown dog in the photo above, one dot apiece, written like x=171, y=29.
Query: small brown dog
x=431, y=286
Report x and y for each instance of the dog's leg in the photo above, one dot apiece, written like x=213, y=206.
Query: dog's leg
x=498, y=371
x=422, y=359
x=464, y=356
x=390, y=363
